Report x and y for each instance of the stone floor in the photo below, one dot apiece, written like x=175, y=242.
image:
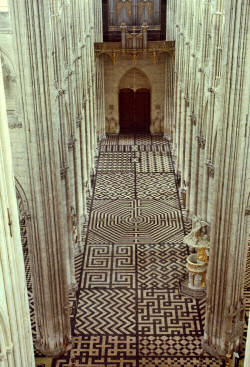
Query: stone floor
x=128, y=311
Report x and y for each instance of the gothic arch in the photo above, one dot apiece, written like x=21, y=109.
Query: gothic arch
x=134, y=78
x=134, y=102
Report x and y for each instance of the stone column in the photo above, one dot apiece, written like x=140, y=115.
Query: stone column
x=15, y=328
x=49, y=255
x=225, y=308
x=84, y=165
x=87, y=115
x=247, y=355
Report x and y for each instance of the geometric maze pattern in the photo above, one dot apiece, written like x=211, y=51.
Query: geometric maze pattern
x=128, y=311
x=106, y=312
x=158, y=186
x=167, y=312
x=161, y=265
x=136, y=221
x=110, y=185
x=109, y=266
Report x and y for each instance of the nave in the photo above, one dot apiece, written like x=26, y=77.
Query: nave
x=128, y=310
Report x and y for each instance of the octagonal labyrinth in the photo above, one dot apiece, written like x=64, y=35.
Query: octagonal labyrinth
x=136, y=221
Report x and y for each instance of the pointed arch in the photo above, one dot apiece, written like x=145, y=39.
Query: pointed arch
x=134, y=79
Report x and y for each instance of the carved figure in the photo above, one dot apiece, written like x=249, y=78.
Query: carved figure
x=198, y=236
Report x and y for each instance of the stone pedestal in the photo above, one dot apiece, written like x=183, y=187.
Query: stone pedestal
x=196, y=272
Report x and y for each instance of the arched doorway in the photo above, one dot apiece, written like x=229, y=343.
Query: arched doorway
x=134, y=110
x=134, y=102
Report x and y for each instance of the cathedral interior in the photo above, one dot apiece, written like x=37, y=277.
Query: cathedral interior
x=124, y=183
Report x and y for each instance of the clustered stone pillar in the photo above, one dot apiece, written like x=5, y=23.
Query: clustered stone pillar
x=225, y=306
x=16, y=345
x=211, y=142
x=168, y=128
x=49, y=250
x=57, y=77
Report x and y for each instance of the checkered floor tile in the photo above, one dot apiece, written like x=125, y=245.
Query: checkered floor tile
x=128, y=311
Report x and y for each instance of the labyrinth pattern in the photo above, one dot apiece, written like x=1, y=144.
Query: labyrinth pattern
x=128, y=311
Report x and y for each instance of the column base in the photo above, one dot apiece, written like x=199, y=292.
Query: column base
x=168, y=137
x=213, y=350
x=54, y=350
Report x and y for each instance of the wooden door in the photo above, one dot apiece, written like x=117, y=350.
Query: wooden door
x=126, y=110
x=142, y=110
x=134, y=110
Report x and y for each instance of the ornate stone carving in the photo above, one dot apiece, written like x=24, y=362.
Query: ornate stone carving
x=211, y=90
x=63, y=172
x=68, y=73
x=60, y=92
x=198, y=236
x=8, y=74
x=201, y=141
x=74, y=225
x=193, y=119
x=211, y=168
x=78, y=121
x=71, y=142
x=247, y=211
x=186, y=101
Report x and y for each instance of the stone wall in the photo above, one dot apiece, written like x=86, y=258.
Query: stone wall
x=154, y=73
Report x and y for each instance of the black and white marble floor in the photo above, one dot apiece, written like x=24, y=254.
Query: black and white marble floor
x=128, y=311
